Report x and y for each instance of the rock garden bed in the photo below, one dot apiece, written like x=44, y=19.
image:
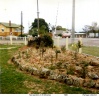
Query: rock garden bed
x=69, y=67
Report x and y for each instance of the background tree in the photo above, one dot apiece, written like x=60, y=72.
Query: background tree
x=43, y=26
x=93, y=28
x=87, y=30
x=60, y=28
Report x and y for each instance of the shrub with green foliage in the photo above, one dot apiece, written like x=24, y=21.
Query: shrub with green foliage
x=60, y=35
x=46, y=39
x=23, y=35
x=35, y=34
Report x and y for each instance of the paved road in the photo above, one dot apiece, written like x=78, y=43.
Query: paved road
x=62, y=41
x=85, y=41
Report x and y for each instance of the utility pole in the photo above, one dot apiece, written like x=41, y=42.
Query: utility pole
x=38, y=17
x=21, y=23
x=56, y=17
x=73, y=21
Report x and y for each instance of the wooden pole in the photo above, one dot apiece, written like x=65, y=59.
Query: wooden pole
x=38, y=17
x=66, y=43
x=21, y=23
x=11, y=39
x=73, y=21
x=25, y=41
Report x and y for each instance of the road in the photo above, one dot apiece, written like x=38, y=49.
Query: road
x=62, y=41
x=85, y=41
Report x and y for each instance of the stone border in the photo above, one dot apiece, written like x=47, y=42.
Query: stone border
x=51, y=75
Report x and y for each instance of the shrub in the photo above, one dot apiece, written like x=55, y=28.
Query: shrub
x=63, y=49
x=57, y=52
x=35, y=34
x=23, y=35
x=46, y=39
x=60, y=35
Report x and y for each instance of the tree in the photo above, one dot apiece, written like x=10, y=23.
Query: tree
x=60, y=28
x=43, y=26
x=87, y=30
x=91, y=29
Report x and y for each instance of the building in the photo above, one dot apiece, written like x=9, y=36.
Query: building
x=7, y=29
x=78, y=34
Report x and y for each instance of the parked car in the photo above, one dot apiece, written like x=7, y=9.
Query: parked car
x=66, y=34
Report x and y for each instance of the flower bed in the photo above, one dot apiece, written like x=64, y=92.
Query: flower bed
x=65, y=66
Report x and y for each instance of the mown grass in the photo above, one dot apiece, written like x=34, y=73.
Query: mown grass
x=13, y=81
x=6, y=46
x=91, y=50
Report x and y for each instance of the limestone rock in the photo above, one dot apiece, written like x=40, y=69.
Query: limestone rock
x=78, y=69
x=77, y=81
x=21, y=67
x=34, y=71
x=62, y=78
x=94, y=63
x=93, y=75
x=89, y=68
x=69, y=81
x=52, y=76
x=89, y=83
x=44, y=73
x=97, y=84
x=16, y=62
x=13, y=59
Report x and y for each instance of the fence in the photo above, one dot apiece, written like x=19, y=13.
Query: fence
x=13, y=40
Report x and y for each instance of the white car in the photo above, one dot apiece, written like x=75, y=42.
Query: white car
x=66, y=34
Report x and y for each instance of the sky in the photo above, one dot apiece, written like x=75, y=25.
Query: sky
x=86, y=12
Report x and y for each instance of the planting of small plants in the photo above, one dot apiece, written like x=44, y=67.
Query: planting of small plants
x=41, y=59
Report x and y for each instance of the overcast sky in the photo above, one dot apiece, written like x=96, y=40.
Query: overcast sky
x=87, y=11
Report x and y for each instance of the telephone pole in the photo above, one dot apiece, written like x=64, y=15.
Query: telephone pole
x=56, y=17
x=38, y=17
x=21, y=23
x=73, y=21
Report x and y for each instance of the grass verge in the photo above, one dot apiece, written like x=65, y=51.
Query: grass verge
x=91, y=50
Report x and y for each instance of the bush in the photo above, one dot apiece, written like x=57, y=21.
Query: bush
x=60, y=35
x=23, y=35
x=35, y=34
x=45, y=41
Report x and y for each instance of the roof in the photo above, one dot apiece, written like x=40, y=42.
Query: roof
x=13, y=25
x=80, y=33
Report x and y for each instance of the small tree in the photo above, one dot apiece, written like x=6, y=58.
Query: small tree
x=42, y=49
x=57, y=52
x=76, y=47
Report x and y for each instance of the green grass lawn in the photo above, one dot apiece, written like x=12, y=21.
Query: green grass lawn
x=91, y=50
x=14, y=81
